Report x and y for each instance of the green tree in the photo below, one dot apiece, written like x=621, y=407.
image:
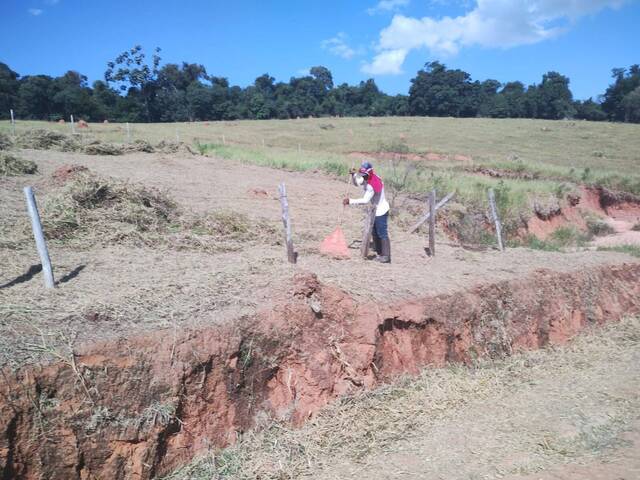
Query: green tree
x=9, y=86
x=35, y=97
x=131, y=73
x=631, y=106
x=625, y=83
x=555, y=100
x=589, y=110
x=437, y=91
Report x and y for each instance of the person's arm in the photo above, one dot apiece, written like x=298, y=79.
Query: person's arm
x=368, y=195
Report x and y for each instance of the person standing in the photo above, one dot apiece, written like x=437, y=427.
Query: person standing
x=373, y=194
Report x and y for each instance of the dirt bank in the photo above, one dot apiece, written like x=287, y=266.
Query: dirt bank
x=619, y=210
x=137, y=407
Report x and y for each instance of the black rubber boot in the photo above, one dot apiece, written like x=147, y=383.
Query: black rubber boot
x=377, y=243
x=385, y=257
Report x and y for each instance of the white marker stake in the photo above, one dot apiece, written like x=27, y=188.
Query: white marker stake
x=73, y=126
x=39, y=237
x=13, y=123
x=224, y=140
x=177, y=136
x=128, y=133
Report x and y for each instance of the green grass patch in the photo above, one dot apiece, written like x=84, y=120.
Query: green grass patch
x=633, y=250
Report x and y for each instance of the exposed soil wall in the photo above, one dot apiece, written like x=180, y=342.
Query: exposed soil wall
x=614, y=206
x=138, y=407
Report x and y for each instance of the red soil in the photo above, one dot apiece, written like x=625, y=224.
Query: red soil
x=96, y=415
x=620, y=212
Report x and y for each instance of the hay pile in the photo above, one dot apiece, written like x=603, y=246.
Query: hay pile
x=5, y=141
x=139, y=146
x=83, y=209
x=11, y=165
x=93, y=209
x=102, y=148
x=174, y=147
x=41, y=139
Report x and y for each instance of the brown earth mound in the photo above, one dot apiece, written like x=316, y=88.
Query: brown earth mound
x=138, y=407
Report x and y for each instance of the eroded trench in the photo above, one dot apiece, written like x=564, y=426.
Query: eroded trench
x=141, y=406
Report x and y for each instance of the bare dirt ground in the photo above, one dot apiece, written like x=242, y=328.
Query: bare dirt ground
x=111, y=290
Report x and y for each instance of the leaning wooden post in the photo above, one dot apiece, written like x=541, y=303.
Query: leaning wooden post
x=39, y=236
x=496, y=219
x=367, y=227
x=432, y=223
x=13, y=122
x=286, y=220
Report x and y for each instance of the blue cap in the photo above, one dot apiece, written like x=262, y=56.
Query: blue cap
x=366, y=165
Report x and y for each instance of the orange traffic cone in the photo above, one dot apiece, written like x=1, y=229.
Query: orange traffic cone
x=335, y=245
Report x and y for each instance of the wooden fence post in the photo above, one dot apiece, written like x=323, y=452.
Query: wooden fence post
x=292, y=256
x=39, y=237
x=367, y=227
x=432, y=223
x=128, y=133
x=13, y=122
x=425, y=217
x=496, y=219
x=73, y=126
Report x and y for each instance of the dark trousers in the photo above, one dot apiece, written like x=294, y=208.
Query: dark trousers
x=379, y=231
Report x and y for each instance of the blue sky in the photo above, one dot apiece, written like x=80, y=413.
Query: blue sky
x=388, y=40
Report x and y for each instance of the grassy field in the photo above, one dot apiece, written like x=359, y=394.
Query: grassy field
x=525, y=161
x=570, y=144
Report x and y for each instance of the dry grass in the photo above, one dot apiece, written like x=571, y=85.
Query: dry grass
x=10, y=165
x=92, y=207
x=45, y=139
x=5, y=141
x=553, y=144
x=367, y=426
x=89, y=210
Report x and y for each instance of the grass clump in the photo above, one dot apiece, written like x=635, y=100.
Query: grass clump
x=101, y=148
x=561, y=239
x=568, y=237
x=92, y=207
x=597, y=227
x=394, y=146
x=41, y=139
x=10, y=165
x=5, y=141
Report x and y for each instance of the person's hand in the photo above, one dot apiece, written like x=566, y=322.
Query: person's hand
x=345, y=201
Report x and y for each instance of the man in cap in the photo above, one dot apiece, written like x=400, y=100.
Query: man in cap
x=373, y=194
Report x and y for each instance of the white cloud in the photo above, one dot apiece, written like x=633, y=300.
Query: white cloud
x=338, y=46
x=388, y=62
x=491, y=23
x=35, y=11
x=387, y=6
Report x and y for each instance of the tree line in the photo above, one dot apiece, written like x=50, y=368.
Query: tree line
x=139, y=89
